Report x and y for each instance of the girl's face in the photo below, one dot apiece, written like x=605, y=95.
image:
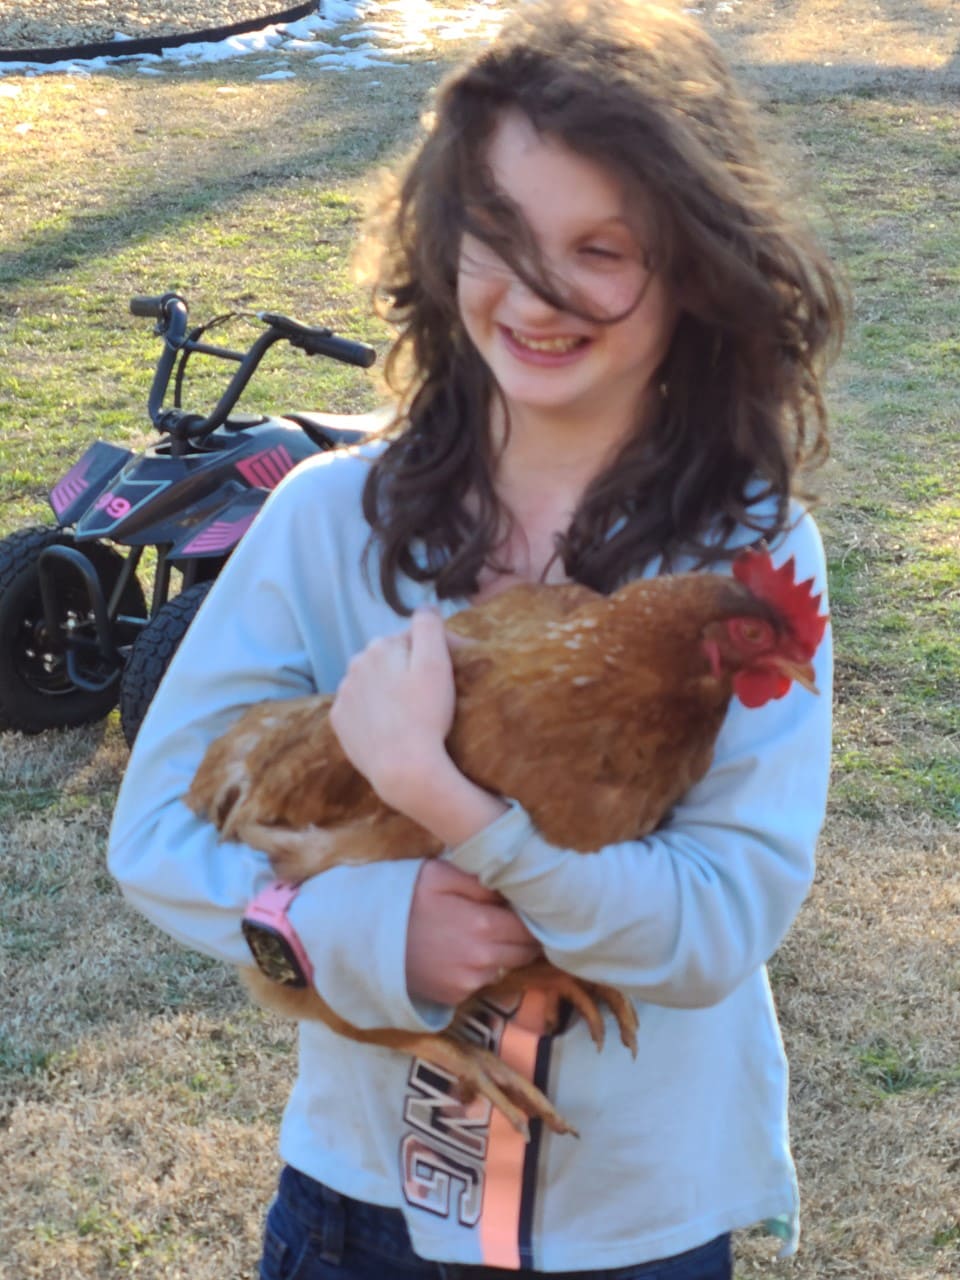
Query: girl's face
x=549, y=361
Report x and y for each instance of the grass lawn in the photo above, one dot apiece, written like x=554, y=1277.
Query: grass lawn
x=139, y=1094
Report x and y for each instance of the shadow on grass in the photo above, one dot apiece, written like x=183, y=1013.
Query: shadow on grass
x=803, y=81
x=191, y=181
x=143, y=216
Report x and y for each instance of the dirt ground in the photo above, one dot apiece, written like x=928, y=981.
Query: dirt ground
x=41, y=24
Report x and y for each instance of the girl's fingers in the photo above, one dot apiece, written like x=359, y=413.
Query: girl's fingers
x=387, y=653
x=460, y=935
x=428, y=641
x=455, y=641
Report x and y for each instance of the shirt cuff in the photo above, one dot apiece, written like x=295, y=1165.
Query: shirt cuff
x=492, y=851
x=352, y=922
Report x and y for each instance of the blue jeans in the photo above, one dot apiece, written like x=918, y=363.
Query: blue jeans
x=314, y=1233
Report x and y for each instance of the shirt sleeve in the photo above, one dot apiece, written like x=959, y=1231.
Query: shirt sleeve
x=682, y=917
x=256, y=637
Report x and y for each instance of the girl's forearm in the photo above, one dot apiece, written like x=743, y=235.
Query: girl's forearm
x=431, y=790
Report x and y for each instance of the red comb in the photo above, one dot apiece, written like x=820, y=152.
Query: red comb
x=793, y=601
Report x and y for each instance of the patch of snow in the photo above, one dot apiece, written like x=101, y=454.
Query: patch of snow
x=350, y=61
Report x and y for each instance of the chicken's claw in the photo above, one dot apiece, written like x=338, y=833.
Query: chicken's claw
x=586, y=997
x=623, y=1009
x=478, y=1070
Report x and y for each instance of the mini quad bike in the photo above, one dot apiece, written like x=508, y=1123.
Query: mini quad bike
x=77, y=635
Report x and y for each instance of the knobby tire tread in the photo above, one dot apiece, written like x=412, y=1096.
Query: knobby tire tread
x=152, y=654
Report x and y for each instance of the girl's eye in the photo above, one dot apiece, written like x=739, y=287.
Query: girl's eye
x=601, y=251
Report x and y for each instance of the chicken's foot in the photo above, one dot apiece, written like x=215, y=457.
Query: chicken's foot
x=476, y=1070
x=586, y=997
x=479, y=1070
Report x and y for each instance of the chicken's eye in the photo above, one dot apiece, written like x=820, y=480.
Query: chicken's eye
x=751, y=633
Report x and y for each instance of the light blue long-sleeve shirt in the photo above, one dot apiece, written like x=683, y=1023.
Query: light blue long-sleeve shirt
x=688, y=1141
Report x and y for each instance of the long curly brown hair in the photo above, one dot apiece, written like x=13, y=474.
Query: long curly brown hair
x=642, y=90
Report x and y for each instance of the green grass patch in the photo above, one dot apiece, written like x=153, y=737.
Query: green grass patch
x=948, y=1237
x=891, y=525
x=21, y=1060
x=893, y=1069
x=27, y=800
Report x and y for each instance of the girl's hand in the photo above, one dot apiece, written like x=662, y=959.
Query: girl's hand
x=394, y=707
x=461, y=936
x=392, y=714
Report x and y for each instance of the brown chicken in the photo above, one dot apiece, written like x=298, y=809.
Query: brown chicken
x=610, y=706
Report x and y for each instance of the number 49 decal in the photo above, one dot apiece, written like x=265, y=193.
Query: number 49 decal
x=113, y=505
x=111, y=508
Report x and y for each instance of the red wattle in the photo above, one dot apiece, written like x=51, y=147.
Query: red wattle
x=754, y=688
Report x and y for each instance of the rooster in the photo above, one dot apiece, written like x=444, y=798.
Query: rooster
x=611, y=706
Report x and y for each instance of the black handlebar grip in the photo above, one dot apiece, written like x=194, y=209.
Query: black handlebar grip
x=151, y=307
x=343, y=349
x=320, y=342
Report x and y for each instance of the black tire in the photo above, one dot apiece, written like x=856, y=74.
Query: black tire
x=151, y=654
x=36, y=692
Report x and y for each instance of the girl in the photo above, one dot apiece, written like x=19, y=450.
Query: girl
x=607, y=365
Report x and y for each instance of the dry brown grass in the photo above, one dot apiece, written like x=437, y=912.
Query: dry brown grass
x=140, y=1121
x=829, y=45
x=139, y=1096
x=868, y=986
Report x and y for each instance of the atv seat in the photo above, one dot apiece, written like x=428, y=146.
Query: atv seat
x=334, y=430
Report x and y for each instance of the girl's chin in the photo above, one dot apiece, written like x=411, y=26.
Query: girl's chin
x=538, y=385
x=522, y=398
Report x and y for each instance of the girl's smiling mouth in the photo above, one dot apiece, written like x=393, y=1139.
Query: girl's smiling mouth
x=558, y=349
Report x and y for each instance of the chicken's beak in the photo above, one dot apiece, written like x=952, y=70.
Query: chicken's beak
x=801, y=672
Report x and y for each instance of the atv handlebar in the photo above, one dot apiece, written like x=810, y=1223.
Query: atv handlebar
x=320, y=342
x=170, y=311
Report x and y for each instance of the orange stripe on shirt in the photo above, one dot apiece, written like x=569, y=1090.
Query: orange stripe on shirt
x=506, y=1149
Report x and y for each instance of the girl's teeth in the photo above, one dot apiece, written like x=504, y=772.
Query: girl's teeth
x=556, y=346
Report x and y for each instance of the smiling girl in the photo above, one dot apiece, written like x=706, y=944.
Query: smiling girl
x=608, y=357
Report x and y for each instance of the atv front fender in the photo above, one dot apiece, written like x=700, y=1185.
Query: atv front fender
x=219, y=532
x=86, y=480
